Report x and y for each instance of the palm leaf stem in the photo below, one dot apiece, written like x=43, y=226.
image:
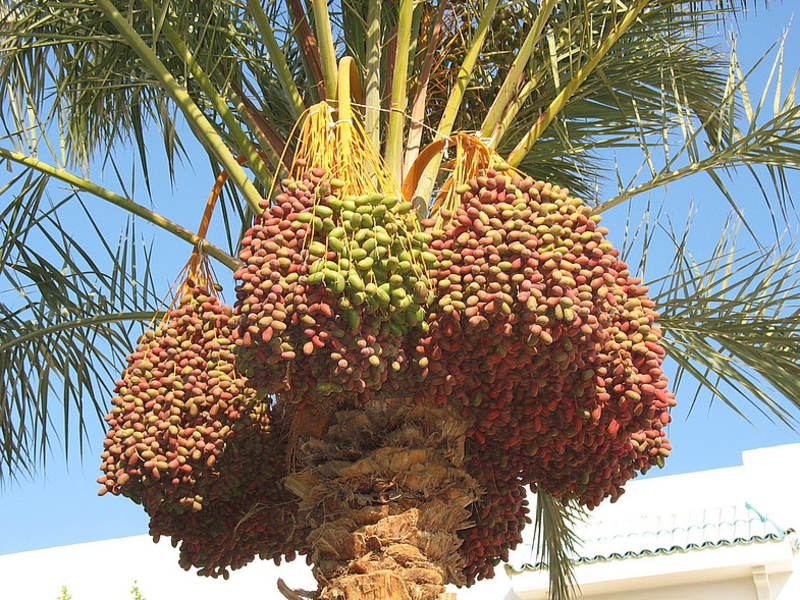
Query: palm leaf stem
x=508, y=90
x=201, y=126
x=399, y=97
x=353, y=27
x=221, y=106
x=454, y=101
x=77, y=323
x=560, y=101
x=372, y=82
x=124, y=203
x=322, y=24
x=416, y=126
x=508, y=117
x=277, y=58
x=308, y=44
x=269, y=140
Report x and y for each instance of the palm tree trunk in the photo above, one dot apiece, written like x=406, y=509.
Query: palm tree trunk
x=384, y=489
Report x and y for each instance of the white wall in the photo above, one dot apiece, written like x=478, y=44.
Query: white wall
x=736, y=589
x=107, y=570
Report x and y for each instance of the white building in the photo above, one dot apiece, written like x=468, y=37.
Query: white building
x=726, y=534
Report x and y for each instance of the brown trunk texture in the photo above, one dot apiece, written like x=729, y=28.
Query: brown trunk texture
x=384, y=489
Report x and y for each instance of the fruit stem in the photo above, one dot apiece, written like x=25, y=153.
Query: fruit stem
x=349, y=85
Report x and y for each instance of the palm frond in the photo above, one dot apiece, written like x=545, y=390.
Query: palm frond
x=555, y=543
x=64, y=324
x=731, y=324
x=48, y=171
x=92, y=91
x=629, y=93
x=62, y=62
x=770, y=141
x=667, y=70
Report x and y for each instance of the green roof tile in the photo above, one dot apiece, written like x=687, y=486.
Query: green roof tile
x=636, y=536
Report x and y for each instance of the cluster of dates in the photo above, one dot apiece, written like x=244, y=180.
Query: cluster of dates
x=331, y=286
x=543, y=336
x=191, y=441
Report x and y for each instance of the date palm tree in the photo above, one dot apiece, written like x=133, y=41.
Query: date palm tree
x=555, y=87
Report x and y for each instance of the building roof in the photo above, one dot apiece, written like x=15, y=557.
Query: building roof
x=667, y=533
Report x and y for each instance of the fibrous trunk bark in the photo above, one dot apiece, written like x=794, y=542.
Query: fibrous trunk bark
x=383, y=486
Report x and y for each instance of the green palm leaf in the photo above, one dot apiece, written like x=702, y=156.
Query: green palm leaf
x=731, y=324
x=63, y=326
x=554, y=543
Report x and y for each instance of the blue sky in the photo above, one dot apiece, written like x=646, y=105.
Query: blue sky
x=60, y=506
